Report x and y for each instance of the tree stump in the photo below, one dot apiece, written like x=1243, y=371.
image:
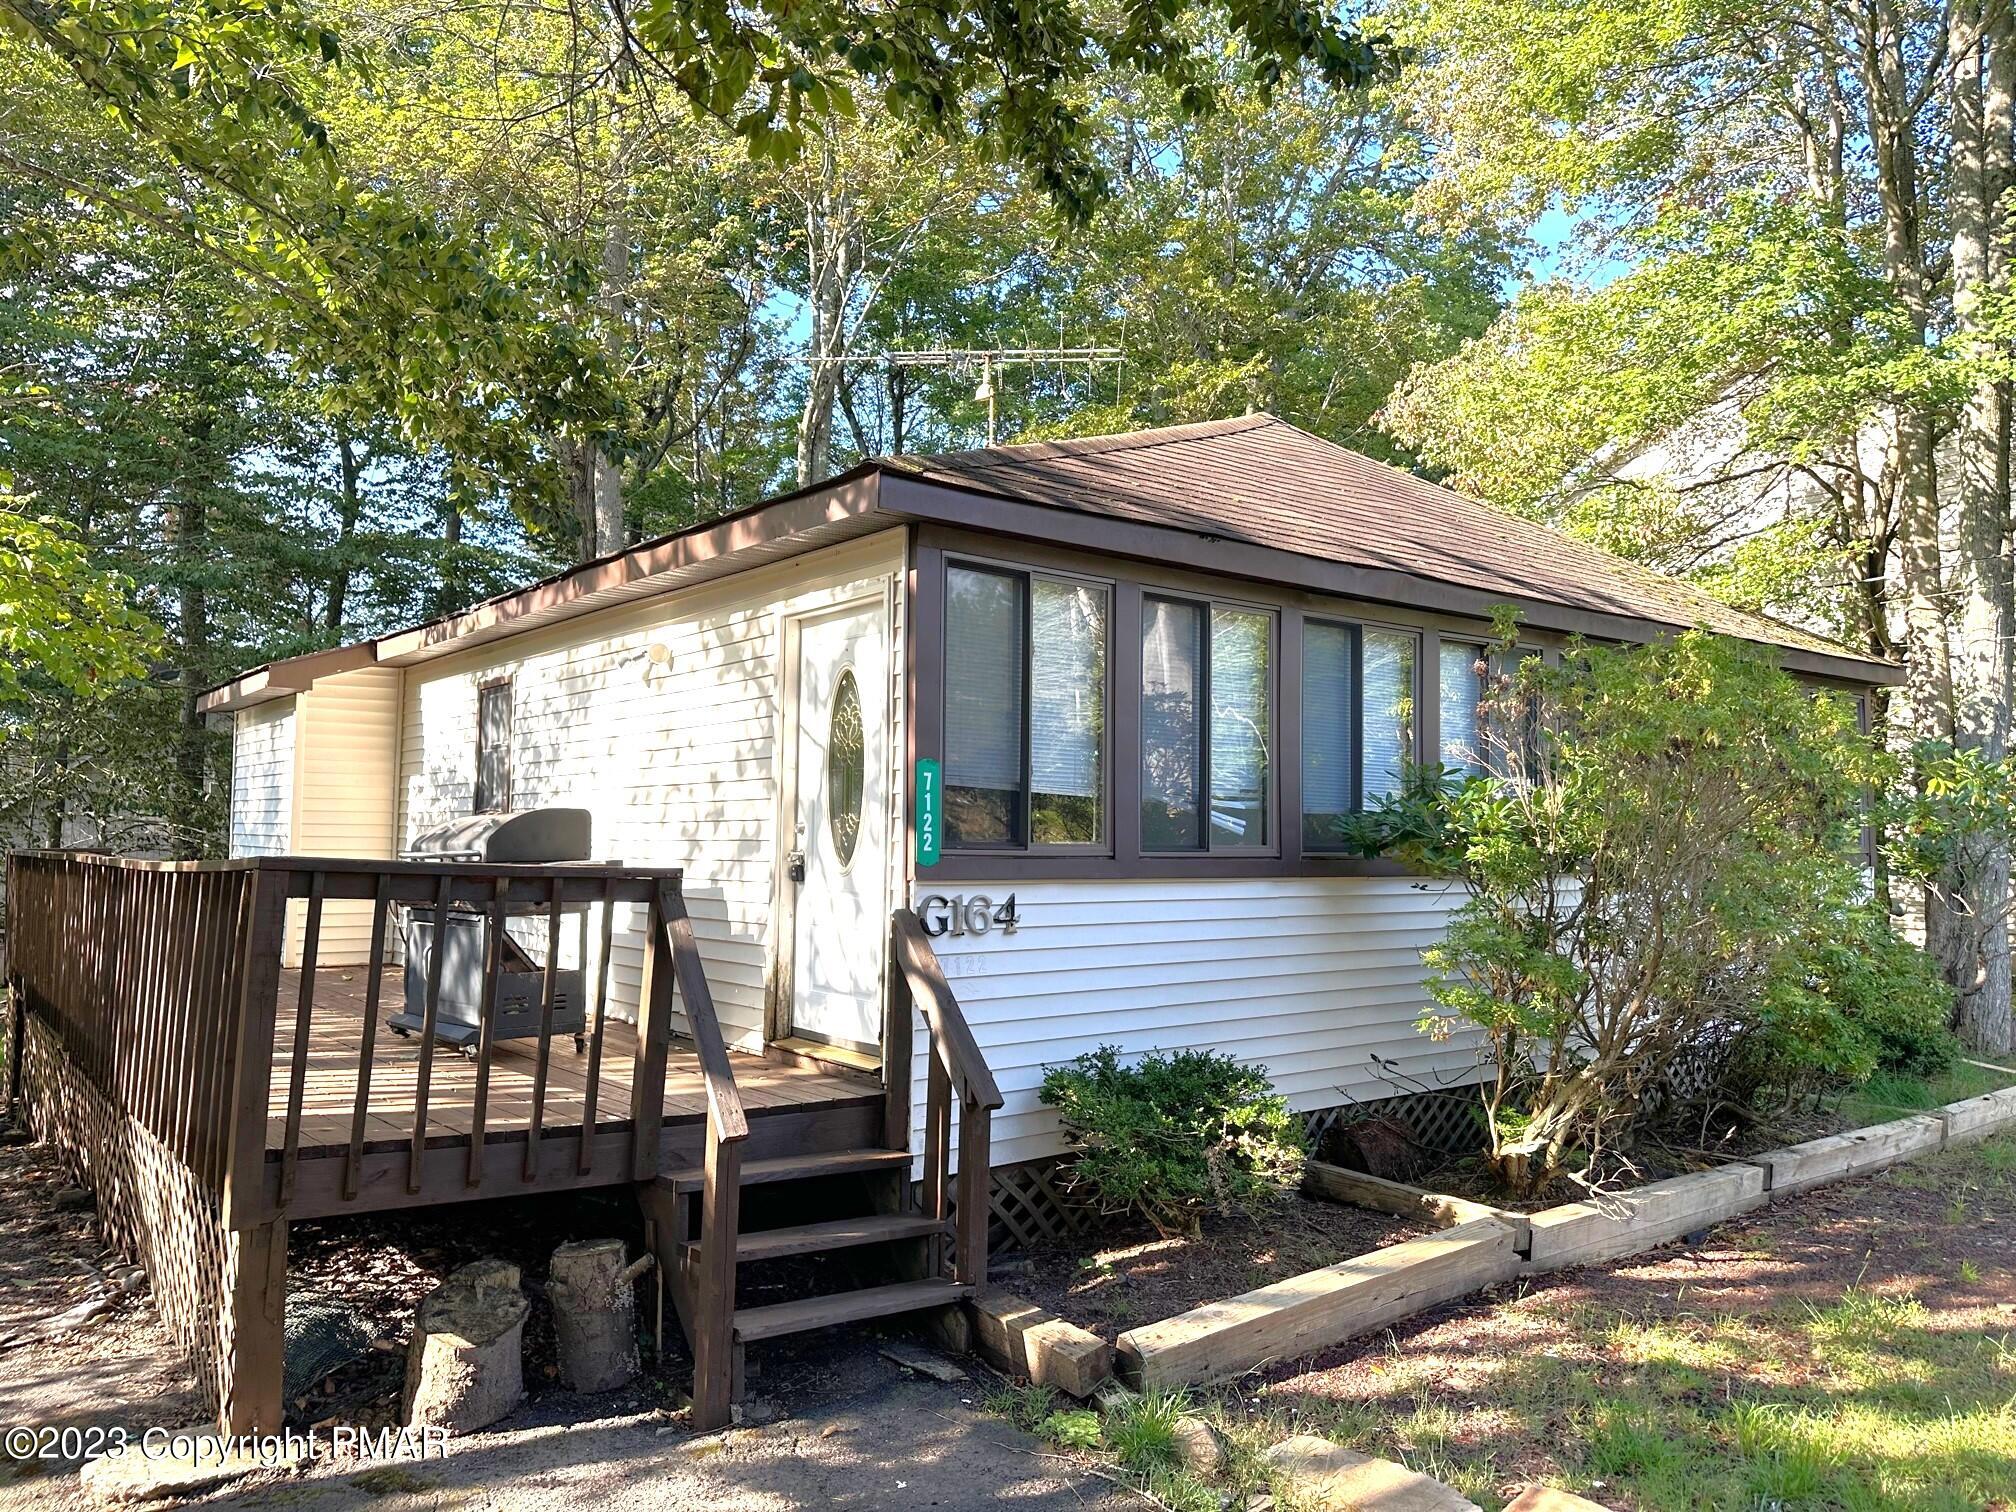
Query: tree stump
x=465, y=1368
x=594, y=1314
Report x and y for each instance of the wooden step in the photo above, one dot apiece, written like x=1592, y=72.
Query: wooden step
x=795, y=1168
x=781, y=1318
x=841, y=1233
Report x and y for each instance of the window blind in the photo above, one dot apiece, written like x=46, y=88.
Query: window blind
x=1066, y=688
x=1460, y=689
x=1389, y=710
x=983, y=679
x=1240, y=721
x=1329, y=701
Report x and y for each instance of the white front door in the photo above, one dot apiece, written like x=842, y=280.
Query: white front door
x=840, y=924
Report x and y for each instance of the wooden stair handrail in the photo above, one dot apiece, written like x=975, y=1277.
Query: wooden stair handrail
x=710, y=1277
x=933, y=996
x=724, y=1101
x=956, y=1070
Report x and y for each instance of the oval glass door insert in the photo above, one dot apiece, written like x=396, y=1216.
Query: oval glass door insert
x=846, y=765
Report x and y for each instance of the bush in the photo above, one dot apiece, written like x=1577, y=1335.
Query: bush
x=1854, y=1002
x=1175, y=1136
x=1656, y=865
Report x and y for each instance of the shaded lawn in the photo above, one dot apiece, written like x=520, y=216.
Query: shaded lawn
x=1853, y=1348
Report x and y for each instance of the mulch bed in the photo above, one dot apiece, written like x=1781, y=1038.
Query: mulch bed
x=1125, y=1274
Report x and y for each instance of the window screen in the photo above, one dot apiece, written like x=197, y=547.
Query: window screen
x=983, y=707
x=1240, y=683
x=493, y=748
x=1067, y=712
x=1461, y=679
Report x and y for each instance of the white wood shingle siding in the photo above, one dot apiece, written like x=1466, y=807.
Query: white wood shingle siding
x=662, y=719
x=1309, y=977
x=262, y=779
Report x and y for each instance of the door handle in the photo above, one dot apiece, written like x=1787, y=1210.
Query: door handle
x=794, y=866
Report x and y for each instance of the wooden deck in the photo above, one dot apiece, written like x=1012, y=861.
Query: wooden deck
x=336, y=1033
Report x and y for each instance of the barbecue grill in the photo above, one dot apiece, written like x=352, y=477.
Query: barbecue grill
x=516, y=837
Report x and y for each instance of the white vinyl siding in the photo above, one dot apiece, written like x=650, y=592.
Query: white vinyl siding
x=662, y=720
x=1309, y=977
x=262, y=779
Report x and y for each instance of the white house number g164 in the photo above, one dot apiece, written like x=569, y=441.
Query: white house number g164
x=962, y=915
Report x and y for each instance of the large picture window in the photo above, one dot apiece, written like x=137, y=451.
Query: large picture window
x=1358, y=696
x=1025, y=709
x=1207, y=720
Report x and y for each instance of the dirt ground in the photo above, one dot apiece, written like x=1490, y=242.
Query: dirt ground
x=116, y=1367
x=842, y=1426
x=1127, y=1274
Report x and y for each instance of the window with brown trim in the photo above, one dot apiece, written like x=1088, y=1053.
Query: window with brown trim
x=1026, y=697
x=1207, y=725
x=493, y=747
x=1359, y=685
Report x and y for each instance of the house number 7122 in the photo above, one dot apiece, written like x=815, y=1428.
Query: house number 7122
x=962, y=915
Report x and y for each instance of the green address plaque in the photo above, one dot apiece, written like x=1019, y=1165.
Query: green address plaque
x=930, y=813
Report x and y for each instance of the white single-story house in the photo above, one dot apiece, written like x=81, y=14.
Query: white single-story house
x=1089, y=707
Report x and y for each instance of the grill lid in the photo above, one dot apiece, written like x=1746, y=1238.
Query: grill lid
x=509, y=836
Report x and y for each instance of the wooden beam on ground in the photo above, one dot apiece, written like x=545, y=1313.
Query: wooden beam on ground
x=1856, y=1153
x=1305, y=1313
x=1580, y=1232
x=1321, y=1179
x=1027, y=1342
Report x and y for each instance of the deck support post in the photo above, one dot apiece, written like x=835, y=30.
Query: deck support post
x=254, y=1333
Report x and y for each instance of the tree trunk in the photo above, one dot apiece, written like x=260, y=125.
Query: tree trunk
x=1977, y=955
x=594, y=1314
x=828, y=242
x=188, y=530
x=465, y=1365
x=349, y=507
x=606, y=473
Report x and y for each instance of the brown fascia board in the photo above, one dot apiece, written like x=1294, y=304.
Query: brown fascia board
x=565, y=594
x=915, y=498
x=849, y=496
x=282, y=679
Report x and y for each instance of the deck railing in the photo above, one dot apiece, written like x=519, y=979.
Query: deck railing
x=161, y=982
x=151, y=993
x=957, y=1070
x=140, y=974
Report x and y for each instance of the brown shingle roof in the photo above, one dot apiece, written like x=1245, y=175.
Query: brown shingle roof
x=1263, y=481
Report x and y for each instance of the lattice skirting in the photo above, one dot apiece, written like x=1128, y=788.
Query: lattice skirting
x=151, y=1206
x=1028, y=1205
x=1444, y=1121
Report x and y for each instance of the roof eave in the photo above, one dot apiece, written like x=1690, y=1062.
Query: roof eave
x=282, y=679
x=906, y=494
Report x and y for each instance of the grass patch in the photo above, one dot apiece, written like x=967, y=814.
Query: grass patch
x=1869, y=1398
x=1889, y=1096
